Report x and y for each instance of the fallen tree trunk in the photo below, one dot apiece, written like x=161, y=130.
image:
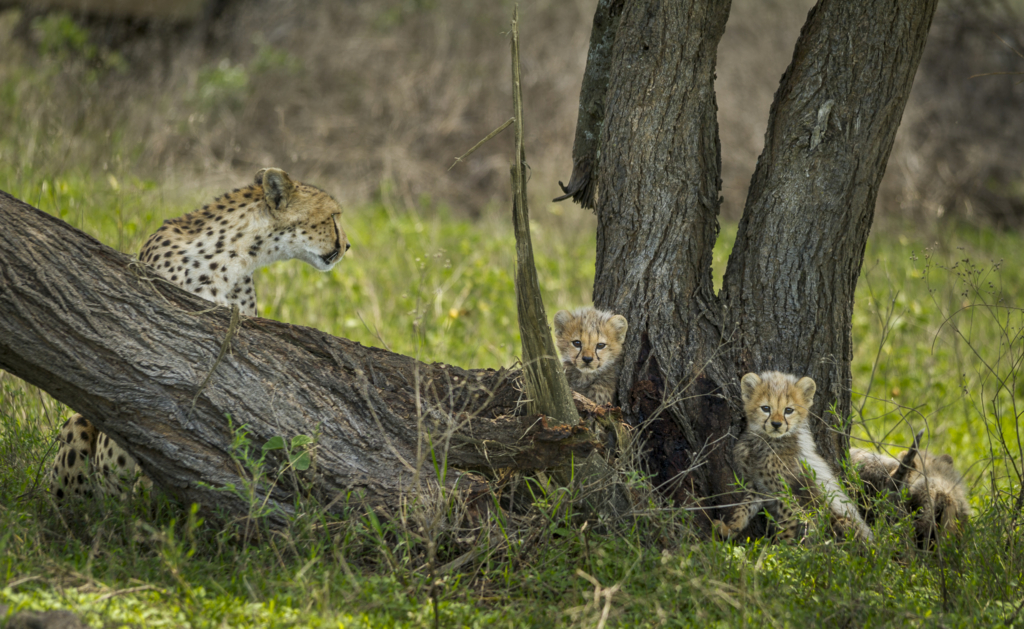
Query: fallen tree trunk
x=133, y=354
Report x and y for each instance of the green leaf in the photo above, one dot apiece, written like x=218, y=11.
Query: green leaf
x=301, y=461
x=301, y=440
x=275, y=443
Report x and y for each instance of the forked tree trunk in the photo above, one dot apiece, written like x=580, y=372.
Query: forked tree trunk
x=787, y=298
x=130, y=352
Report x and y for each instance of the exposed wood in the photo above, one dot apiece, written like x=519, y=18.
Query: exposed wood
x=547, y=391
x=92, y=328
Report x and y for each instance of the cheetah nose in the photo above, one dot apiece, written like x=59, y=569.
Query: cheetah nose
x=588, y=359
x=347, y=246
x=777, y=424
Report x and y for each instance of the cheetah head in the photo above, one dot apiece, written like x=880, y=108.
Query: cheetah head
x=588, y=339
x=776, y=404
x=305, y=218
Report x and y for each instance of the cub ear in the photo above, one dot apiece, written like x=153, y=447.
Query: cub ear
x=947, y=459
x=748, y=383
x=561, y=320
x=807, y=386
x=620, y=325
x=278, y=187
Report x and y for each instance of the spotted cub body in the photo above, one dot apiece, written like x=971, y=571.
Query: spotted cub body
x=776, y=457
x=589, y=342
x=212, y=252
x=936, y=494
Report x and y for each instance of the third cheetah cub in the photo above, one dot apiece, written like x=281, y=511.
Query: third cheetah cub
x=590, y=344
x=771, y=454
x=936, y=492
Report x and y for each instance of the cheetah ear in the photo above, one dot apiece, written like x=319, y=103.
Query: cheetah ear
x=278, y=187
x=807, y=386
x=947, y=459
x=561, y=320
x=748, y=383
x=620, y=325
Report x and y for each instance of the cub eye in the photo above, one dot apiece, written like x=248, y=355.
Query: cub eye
x=600, y=346
x=577, y=344
x=766, y=409
x=789, y=411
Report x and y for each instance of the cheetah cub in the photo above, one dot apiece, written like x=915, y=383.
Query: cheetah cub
x=771, y=454
x=589, y=343
x=936, y=493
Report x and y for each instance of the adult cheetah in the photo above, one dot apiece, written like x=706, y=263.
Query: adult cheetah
x=213, y=253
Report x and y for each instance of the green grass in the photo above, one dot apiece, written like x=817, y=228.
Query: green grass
x=937, y=337
x=429, y=284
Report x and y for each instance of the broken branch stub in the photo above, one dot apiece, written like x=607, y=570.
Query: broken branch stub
x=547, y=390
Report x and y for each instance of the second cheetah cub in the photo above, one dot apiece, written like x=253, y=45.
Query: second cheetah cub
x=771, y=455
x=590, y=343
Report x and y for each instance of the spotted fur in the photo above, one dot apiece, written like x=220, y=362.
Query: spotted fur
x=776, y=456
x=212, y=252
x=589, y=343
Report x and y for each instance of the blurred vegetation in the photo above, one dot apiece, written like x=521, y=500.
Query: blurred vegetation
x=938, y=333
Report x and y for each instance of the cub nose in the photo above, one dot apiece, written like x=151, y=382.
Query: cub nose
x=777, y=424
x=347, y=246
x=588, y=359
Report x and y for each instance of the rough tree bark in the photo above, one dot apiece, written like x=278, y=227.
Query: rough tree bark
x=787, y=296
x=582, y=186
x=86, y=324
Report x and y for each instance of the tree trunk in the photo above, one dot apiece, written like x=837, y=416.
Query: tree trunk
x=787, y=297
x=131, y=352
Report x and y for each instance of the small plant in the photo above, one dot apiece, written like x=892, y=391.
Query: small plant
x=296, y=452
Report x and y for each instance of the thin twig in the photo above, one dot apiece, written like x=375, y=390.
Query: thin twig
x=481, y=142
x=232, y=328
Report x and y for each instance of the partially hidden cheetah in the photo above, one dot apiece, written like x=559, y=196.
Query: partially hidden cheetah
x=213, y=253
x=776, y=456
x=935, y=495
x=589, y=342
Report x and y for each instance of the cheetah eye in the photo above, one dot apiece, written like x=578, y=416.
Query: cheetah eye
x=789, y=411
x=577, y=344
x=766, y=409
x=600, y=346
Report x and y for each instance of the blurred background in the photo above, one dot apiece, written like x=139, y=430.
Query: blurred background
x=361, y=96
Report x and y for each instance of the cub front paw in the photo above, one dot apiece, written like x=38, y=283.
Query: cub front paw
x=721, y=530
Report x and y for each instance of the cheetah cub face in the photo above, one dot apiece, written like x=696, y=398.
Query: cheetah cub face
x=776, y=404
x=588, y=339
